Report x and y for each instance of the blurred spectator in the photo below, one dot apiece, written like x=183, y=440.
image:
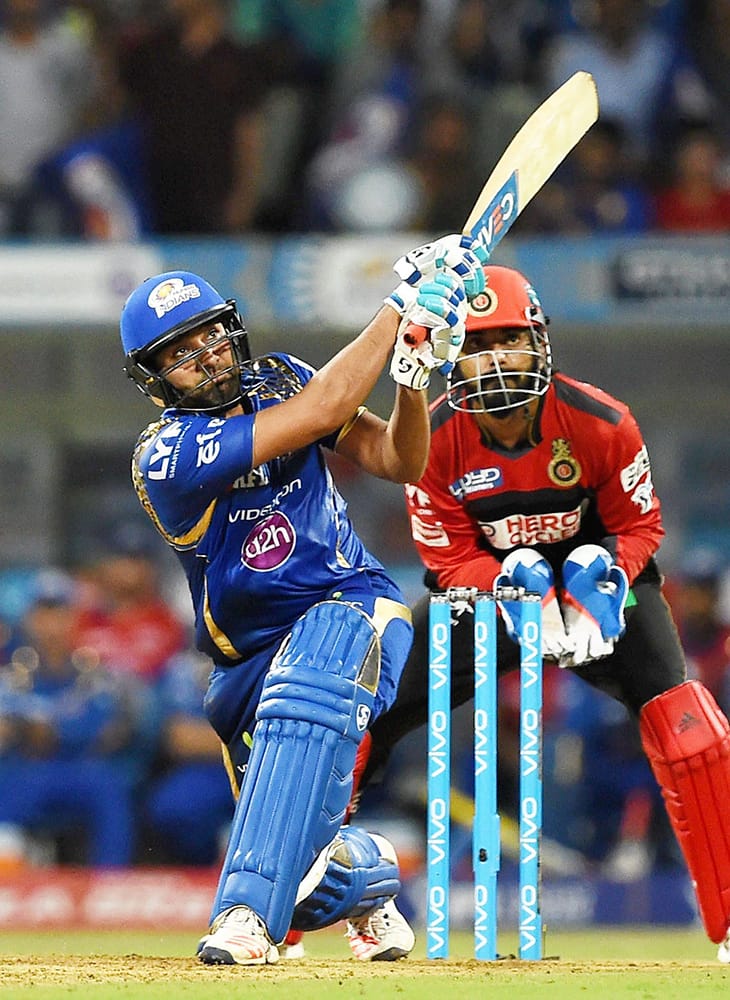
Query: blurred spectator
x=48, y=83
x=696, y=199
x=705, y=634
x=66, y=727
x=444, y=165
x=98, y=185
x=197, y=96
x=357, y=179
x=667, y=15
x=95, y=185
x=708, y=39
x=487, y=48
x=631, y=59
x=190, y=802
x=489, y=60
x=130, y=625
x=595, y=190
x=304, y=43
x=390, y=60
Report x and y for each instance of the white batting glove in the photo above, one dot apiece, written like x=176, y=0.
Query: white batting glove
x=459, y=254
x=440, y=305
x=594, y=596
x=527, y=569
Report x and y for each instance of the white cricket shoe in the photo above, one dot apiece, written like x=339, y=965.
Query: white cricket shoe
x=238, y=936
x=382, y=936
x=723, y=950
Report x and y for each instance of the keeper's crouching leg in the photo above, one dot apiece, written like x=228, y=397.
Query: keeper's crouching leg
x=686, y=738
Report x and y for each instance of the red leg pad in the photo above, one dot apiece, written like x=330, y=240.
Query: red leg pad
x=687, y=741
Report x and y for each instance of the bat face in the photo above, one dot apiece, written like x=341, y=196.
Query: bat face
x=529, y=161
x=532, y=157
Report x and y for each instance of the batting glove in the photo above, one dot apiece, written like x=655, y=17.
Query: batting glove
x=461, y=255
x=440, y=305
x=593, y=599
x=528, y=570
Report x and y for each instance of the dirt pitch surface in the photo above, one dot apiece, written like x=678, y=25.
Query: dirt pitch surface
x=77, y=970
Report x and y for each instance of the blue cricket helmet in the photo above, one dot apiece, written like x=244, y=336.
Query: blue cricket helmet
x=160, y=310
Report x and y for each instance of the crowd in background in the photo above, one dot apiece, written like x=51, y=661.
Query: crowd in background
x=106, y=757
x=121, y=119
x=126, y=118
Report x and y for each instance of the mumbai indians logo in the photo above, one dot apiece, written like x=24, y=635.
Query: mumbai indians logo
x=170, y=293
x=563, y=469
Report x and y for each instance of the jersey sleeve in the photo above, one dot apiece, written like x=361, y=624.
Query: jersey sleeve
x=181, y=467
x=626, y=502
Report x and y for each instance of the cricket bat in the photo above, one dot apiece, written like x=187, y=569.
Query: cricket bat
x=529, y=161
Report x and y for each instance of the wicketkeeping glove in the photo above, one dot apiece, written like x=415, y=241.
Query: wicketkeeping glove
x=527, y=569
x=439, y=305
x=593, y=599
x=459, y=254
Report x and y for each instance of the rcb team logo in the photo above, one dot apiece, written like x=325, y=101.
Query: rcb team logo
x=563, y=469
x=484, y=304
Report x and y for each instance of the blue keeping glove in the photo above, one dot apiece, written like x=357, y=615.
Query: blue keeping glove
x=527, y=569
x=459, y=255
x=439, y=305
x=594, y=596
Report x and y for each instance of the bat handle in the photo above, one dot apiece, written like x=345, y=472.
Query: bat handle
x=415, y=335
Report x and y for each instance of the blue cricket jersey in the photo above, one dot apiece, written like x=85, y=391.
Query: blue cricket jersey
x=259, y=545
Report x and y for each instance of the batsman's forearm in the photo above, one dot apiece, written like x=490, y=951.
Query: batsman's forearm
x=332, y=395
x=408, y=438
x=347, y=379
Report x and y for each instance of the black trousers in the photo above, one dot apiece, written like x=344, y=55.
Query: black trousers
x=647, y=660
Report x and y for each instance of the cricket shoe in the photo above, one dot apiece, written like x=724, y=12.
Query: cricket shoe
x=382, y=936
x=238, y=936
x=723, y=951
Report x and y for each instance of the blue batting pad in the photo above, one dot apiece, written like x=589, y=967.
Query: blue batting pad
x=315, y=706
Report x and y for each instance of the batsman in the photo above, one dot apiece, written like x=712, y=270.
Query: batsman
x=306, y=633
x=540, y=481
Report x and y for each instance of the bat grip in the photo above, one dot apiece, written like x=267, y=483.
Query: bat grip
x=415, y=335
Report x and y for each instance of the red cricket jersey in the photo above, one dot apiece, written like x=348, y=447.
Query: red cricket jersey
x=585, y=478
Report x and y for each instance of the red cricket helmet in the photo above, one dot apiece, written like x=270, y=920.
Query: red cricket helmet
x=508, y=302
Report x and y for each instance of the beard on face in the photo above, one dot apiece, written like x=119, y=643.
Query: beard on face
x=209, y=394
x=511, y=391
